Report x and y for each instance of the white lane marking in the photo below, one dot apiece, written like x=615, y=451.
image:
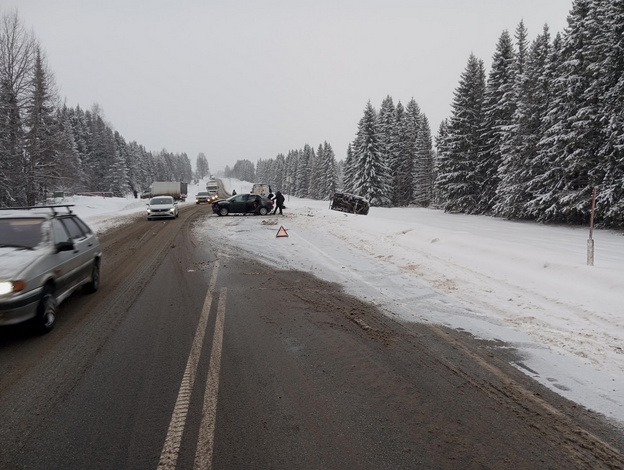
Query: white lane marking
x=171, y=447
x=205, y=442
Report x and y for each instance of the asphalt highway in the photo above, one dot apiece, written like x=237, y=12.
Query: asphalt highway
x=192, y=355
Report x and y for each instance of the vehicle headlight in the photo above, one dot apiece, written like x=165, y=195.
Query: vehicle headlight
x=172, y=209
x=149, y=210
x=6, y=287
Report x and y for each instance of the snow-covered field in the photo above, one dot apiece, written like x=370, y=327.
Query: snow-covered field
x=523, y=284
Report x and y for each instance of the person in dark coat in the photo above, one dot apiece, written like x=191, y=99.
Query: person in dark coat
x=279, y=202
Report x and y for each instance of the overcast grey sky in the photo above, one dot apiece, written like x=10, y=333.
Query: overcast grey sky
x=249, y=79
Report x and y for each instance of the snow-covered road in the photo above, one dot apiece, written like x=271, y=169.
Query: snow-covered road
x=523, y=284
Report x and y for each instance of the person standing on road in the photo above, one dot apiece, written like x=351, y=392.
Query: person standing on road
x=279, y=202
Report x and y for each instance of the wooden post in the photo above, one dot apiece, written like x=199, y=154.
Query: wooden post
x=590, y=241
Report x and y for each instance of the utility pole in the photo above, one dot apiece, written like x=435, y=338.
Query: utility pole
x=590, y=241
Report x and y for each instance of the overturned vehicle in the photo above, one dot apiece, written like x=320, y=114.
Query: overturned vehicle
x=345, y=202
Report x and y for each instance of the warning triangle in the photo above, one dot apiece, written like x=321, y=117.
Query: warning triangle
x=281, y=232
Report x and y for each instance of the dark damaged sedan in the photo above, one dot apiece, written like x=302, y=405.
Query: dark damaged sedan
x=243, y=204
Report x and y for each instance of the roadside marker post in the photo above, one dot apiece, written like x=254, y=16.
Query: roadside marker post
x=281, y=232
x=590, y=240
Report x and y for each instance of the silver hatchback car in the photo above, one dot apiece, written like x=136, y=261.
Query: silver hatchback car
x=46, y=254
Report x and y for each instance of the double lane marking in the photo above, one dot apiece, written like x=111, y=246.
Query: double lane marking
x=205, y=445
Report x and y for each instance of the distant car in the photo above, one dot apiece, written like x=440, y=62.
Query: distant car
x=205, y=196
x=162, y=207
x=46, y=254
x=243, y=204
x=345, y=202
x=202, y=197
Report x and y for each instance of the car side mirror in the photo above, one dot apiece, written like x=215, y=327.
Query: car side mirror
x=64, y=246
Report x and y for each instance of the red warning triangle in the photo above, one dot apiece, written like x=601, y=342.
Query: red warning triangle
x=281, y=232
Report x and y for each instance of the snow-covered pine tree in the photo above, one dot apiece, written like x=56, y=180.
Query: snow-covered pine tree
x=348, y=176
x=457, y=183
x=278, y=173
x=263, y=170
x=546, y=176
x=610, y=198
x=82, y=134
x=186, y=169
x=306, y=158
x=201, y=165
x=42, y=144
x=422, y=192
x=386, y=125
x=292, y=162
x=244, y=170
x=372, y=179
x=399, y=150
x=499, y=105
x=142, y=165
x=316, y=174
x=116, y=179
x=329, y=172
x=340, y=173
x=573, y=140
x=441, y=152
x=70, y=175
x=101, y=156
x=519, y=157
x=407, y=159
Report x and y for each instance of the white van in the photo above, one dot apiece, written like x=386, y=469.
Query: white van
x=261, y=189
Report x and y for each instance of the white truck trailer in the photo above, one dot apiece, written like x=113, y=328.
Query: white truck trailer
x=212, y=187
x=170, y=188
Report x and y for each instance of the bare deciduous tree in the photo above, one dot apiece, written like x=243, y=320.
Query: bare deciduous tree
x=17, y=54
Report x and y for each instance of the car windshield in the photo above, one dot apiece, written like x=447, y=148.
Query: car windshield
x=202, y=194
x=20, y=233
x=161, y=200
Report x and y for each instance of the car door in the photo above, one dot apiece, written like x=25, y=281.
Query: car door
x=84, y=248
x=64, y=264
x=237, y=204
x=252, y=202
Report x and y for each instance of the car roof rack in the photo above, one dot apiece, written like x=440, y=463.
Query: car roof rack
x=52, y=207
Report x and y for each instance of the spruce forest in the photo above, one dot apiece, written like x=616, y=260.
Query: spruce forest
x=546, y=127
x=530, y=139
x=46, y=147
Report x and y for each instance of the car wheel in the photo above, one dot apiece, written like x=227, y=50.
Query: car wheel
x=46, y=311
x=263, y=211
x=94, y=284
x=223, y=211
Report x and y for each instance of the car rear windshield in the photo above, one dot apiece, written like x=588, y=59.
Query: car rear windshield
x=20, y=233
